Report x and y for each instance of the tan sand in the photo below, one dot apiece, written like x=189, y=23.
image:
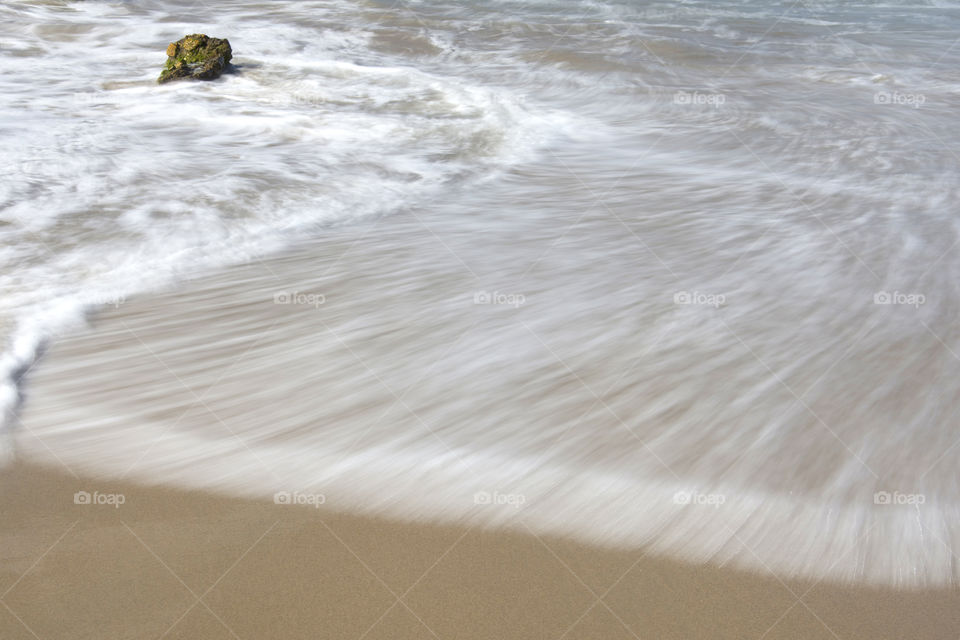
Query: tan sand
x=178, y=564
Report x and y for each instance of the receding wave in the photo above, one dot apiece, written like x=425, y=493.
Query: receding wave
x=679, y=277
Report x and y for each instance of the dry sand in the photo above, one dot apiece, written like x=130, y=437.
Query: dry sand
x=177, y=564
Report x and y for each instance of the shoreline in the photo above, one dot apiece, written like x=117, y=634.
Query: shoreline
x=479, y=320
x=260, y=569
x=141, y=373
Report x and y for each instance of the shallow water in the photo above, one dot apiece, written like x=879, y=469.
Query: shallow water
x=674, y=276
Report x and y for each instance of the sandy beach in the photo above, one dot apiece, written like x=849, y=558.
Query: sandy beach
x=128, y=397
x=464, y=320
x=174, y=564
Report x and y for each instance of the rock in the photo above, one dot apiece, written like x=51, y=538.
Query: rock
x=197, y=57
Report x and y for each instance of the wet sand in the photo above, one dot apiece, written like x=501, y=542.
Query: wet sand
x=178, y=564
x=682, y=283
x=118, y=400
x=361, y=367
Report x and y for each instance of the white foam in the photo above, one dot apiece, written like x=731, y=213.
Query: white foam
x=109, y=191
x=721, y=524
x=116, y=187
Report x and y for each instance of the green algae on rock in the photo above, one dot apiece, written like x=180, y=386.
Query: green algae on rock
x=196, y=57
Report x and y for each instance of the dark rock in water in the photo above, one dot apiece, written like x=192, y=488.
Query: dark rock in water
x=197, y=57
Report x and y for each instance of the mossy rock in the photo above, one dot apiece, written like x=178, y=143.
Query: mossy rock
x=197, y=57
